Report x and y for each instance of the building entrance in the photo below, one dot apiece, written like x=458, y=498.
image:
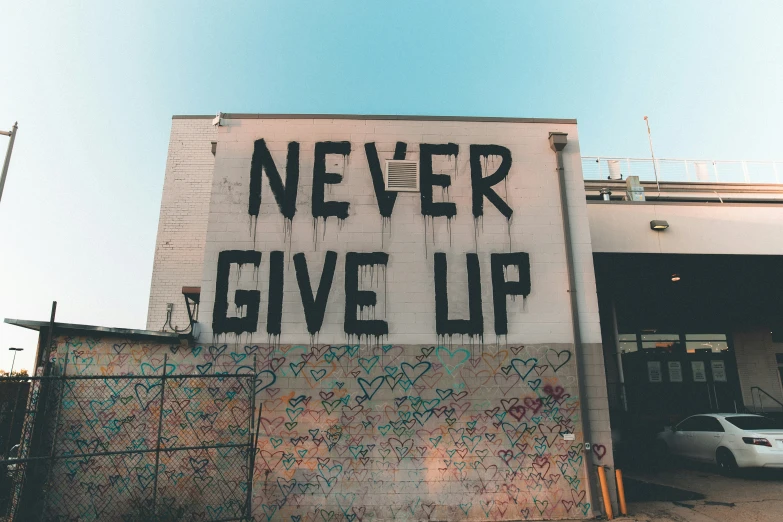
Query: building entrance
x=686, y=334
x=671, y=376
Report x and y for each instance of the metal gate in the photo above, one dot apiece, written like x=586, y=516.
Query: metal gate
x=136, y=447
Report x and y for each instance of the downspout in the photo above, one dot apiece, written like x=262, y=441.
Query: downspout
x=558, y=141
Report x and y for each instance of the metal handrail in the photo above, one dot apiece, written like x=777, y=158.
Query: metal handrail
x=683, y=170
x=760, y=390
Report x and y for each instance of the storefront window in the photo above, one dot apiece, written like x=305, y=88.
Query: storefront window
x=628, y=343
x=663, y=341
x=714, y=342
x=670, y=342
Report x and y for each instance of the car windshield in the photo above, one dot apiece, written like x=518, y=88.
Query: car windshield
x=753, y=423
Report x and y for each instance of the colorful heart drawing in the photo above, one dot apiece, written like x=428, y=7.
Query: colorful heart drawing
x=523, y=367
x=147, y=394
x=372, y=387
x=452, y=360
x=599, y=450
x=413, y=373
x=558, y=359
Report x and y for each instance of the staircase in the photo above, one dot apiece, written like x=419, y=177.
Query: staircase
x=765, y=404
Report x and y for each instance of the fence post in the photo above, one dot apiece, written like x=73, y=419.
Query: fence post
x=56, y=431
x=7, y=450
x=160, y=428
x=251, y=450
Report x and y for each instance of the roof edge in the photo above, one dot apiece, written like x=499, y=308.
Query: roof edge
x=250, y=116
x=103, y=331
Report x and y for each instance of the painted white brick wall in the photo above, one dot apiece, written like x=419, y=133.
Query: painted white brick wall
x=757, y=365
x=531, y=190
x=213, y=202
x=182, y=228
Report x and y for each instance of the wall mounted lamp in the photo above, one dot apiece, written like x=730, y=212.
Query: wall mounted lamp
x=659, y=224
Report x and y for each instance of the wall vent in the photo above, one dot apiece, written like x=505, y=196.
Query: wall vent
x=401, y=176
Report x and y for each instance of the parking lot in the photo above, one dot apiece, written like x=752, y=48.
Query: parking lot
x=699, y=493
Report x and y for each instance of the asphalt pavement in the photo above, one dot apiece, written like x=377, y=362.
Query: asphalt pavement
x=699, y=493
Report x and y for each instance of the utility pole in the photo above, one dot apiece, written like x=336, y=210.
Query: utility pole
x=7, y=161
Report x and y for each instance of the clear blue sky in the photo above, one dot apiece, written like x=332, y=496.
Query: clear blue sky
x=94, y=86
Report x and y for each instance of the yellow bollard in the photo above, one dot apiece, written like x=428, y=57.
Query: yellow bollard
x=605, y=493
x=621, y=491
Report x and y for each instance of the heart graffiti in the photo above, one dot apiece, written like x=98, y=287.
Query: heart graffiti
x=445, y=432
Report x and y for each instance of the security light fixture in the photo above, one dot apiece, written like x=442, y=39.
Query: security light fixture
x=675, y=277
x=659, y=224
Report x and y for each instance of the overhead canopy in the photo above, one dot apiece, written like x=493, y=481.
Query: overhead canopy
x=102, y=331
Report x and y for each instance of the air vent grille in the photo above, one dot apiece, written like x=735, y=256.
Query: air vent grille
x=402, y=176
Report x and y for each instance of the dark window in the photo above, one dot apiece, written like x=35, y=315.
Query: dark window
x=753, y=423
x=711, y=424
x=779, y=359
x=689, y=424
x=660, y=341
x=700, y=423
x=673, y=342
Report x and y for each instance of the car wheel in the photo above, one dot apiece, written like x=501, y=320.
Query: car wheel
x=726, y=462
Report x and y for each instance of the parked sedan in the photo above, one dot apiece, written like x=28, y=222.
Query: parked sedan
x=731, y=440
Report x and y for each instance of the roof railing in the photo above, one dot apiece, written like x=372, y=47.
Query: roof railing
x=682, y=170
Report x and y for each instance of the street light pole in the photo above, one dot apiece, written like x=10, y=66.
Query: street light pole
x=14, y=359
x=7, y=161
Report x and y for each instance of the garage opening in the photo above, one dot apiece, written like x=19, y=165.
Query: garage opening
x=687, y=334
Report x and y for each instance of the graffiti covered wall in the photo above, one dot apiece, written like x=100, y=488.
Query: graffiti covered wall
x=304, y=244
x=414, y=350
x=346, y=432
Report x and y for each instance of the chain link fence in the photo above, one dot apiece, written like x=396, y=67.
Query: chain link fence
x=133, y=448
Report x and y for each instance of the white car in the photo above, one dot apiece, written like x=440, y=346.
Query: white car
x=732, y=440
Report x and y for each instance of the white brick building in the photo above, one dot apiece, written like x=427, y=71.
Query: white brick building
x=516, y=371
x=689, y=322
x=455, y=352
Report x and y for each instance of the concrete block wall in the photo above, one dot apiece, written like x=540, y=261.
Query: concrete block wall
x=530, y=189
x=405, y=288
x=182, y=228
x=757, y=365
x=506, y=414
x=694, y=228
x=347, y=432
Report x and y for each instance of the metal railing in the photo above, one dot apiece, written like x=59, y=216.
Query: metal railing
x=682, y=170
x=758, y=391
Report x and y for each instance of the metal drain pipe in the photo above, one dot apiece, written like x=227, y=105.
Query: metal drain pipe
x=558, y=141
